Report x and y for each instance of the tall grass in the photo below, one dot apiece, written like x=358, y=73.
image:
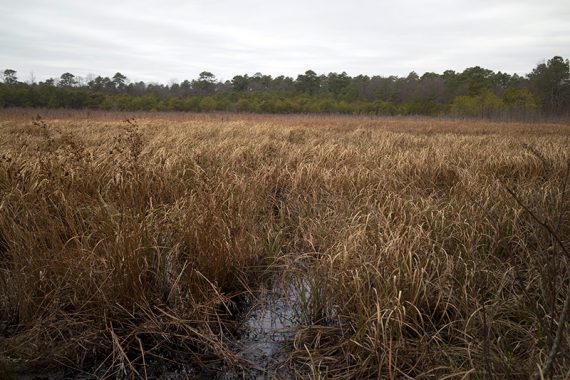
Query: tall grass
x=127, y=243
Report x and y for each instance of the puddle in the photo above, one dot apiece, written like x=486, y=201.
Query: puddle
x=269, y=327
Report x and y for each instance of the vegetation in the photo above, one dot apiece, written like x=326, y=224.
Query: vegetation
x=124, y=244
x=475, y=92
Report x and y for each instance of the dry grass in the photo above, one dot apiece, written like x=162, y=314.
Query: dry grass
x=124, y=242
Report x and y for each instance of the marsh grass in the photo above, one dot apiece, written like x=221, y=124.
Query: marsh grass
x=127, y=243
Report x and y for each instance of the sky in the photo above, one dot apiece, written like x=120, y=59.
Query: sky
x=171, y=40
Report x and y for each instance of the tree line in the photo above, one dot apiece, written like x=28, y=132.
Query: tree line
x=475, y=92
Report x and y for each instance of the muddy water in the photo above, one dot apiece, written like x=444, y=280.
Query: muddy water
x=268, y=329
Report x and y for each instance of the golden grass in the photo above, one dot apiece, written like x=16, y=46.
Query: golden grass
x=123, y=241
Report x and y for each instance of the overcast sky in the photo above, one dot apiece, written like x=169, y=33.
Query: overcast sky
x=175, y=40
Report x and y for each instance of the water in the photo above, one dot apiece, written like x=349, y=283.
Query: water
x=269, y=327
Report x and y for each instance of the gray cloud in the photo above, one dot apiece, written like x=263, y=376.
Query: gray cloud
x=159, y=40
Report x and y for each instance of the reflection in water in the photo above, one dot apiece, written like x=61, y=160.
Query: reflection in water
x=269, y=326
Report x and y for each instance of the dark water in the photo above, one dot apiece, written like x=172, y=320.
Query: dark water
x=269, y=327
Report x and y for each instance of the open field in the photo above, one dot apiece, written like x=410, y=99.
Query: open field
x=136, y=248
